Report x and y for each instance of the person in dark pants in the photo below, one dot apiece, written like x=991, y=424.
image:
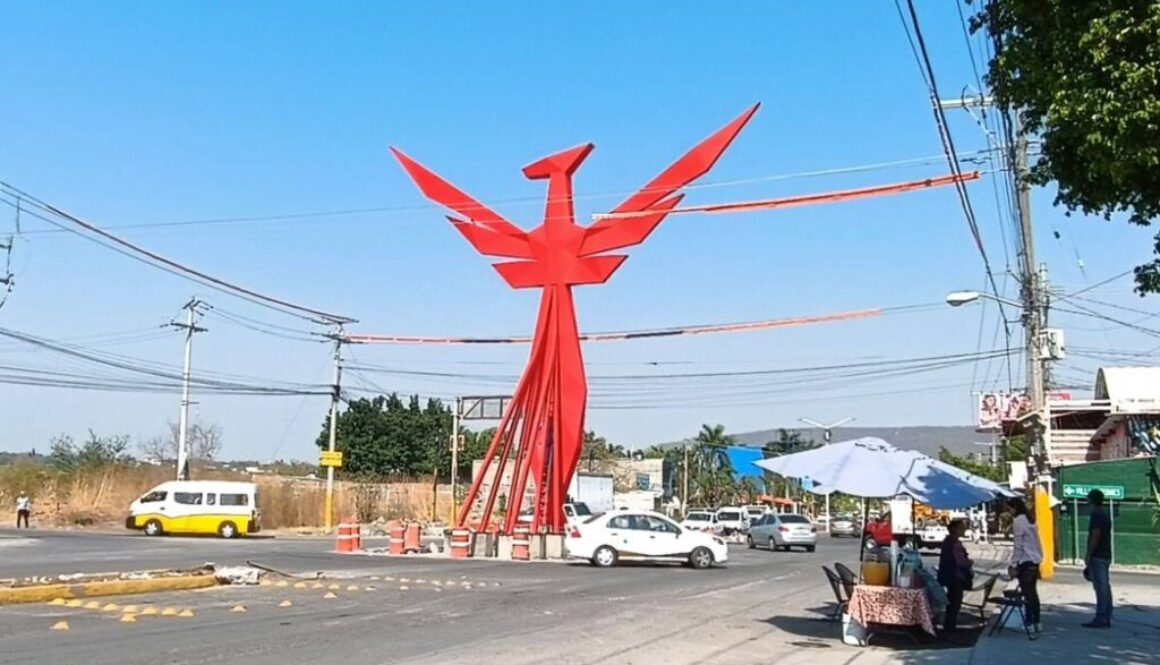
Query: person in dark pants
x=1026, y=555
x=954, y=572
x=23, y=510
x=1098, y=562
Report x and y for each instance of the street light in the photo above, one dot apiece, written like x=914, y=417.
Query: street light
x=827, y=434
x=960, y=298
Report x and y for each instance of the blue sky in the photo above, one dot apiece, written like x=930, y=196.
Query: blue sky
x=133, y=114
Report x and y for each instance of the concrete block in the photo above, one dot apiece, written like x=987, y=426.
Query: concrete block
x=554, y=546
x=504, y=548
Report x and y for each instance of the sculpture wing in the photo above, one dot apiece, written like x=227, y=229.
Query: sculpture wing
x=484, y=228
x=657, y=195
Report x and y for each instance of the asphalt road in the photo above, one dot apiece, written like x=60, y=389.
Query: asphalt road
x=31, y=552
x=761, y=607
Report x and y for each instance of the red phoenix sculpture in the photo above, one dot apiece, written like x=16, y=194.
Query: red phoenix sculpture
x=542, y=430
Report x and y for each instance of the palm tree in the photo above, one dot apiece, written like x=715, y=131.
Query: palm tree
x=712, y=474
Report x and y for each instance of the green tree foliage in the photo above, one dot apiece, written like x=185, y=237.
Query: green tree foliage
x=786, y=443
x=94, y=453
x=711, y=478
x=995, y=473
x=385, y=436
x=1084, y=75
x=596, y=450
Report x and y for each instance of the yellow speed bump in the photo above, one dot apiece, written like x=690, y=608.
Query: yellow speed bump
x=111, y=607
x=58, y=601
x=285, y=603
x=60, y=625
x=334, y=587
x=330, y=594
x=186, y=614
x=92, y=605
x=404, y=588
x=300, y=585
x=238, y=608
x=149, y=611
x=317, y=586
x=74, y=603
x=370, y=588
x=169, y=612
x=352, y=588
x=128, y=618
x=129, y=609
x=282, y=584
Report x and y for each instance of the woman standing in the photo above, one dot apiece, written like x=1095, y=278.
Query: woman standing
x=1026, y=555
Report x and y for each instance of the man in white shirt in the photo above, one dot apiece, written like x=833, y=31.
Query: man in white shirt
x=1026, y=555
x=23, y=510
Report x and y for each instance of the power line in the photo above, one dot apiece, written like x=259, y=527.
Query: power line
x=124, y=247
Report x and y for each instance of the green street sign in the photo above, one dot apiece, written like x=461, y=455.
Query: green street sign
x=1081, y=491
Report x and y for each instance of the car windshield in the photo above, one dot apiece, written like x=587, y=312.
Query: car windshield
x=729, y=516
x=699, y=517
x=793, y=519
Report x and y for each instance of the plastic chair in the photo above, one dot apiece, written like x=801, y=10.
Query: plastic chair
x=986, y=588
x=849, y=579
x=837, y=587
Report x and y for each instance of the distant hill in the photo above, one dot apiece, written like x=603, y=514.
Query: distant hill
x=926, y=440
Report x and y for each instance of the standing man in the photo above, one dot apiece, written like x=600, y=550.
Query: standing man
x=23, y=509
x=1098, y=561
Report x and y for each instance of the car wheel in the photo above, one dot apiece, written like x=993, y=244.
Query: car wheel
x=228, y=530
x=811, y=548
x=749, y=541
x=772, y=544
x=604, y=557
x=153, y=528
x=701, y=558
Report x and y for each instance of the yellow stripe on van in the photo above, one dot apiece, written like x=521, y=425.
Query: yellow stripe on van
x=194, y=524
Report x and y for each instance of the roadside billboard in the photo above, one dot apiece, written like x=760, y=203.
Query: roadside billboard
x=995, y=408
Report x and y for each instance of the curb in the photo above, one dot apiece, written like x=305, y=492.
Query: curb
x=48, y=592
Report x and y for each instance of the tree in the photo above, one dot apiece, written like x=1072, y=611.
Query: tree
x=1085, y=76
x=786, y=443
x=595, y=451
x=95, y=453
x=384, y=436
x=983, y=470
x=205, y=443
x=711, y=474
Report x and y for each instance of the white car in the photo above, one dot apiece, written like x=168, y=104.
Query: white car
x=639, y=535
x=702, y=520
x=732, y=520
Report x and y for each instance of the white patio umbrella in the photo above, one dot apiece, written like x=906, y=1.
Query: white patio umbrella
x=872, y=468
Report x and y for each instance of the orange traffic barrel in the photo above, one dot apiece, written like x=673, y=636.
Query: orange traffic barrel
x=460, y=543
x=343, y=542
x=395, y=530
x=521, y=547
x=411, y=537
x=355, y=535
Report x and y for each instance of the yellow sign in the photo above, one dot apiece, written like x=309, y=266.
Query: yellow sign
x=330, y=458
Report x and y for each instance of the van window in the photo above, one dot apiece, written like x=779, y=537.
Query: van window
x=188, y=498
x=235, y=500
x=153, y=497
x=211, y=499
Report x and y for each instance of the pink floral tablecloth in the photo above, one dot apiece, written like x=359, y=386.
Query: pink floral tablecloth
x=892, y=606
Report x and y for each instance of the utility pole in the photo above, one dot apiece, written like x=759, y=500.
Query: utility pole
x=1033, y=278
x=685, y=494
x=335, y=389
x=827, y=434
x=192, y=309
x=455, y=456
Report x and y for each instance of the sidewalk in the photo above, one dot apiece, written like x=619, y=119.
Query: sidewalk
x=1068, y=600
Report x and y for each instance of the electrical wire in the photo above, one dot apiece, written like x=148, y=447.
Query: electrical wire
x=108, y=240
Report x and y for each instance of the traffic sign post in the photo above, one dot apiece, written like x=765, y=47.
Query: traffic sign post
x=1111, y=492
x=330, y=458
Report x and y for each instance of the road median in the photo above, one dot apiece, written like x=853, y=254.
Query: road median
x=113, y=584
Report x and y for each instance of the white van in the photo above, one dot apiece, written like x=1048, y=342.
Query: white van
x=189, y=507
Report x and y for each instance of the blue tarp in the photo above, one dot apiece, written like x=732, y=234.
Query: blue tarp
x=742, y=460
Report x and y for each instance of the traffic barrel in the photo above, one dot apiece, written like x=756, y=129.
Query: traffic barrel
x=460, y=543
x=411, y=537
x=395, y=529
x=355, y=535
x=521, y=545
x=342, y=544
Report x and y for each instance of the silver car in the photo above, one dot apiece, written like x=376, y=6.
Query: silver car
x=781, y=532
